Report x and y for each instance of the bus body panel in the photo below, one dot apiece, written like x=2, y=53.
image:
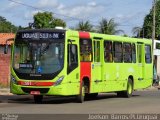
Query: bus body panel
x=101, y=76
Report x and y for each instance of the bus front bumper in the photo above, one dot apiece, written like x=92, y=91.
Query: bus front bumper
x=51, y=90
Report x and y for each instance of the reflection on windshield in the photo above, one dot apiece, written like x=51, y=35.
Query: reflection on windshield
x=39, y=58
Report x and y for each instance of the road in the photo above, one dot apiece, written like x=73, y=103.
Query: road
x=141, y=102
x=13, y=107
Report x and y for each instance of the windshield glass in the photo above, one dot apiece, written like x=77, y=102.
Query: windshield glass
x=38, y=57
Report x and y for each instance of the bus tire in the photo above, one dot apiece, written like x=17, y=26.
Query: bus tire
x=129, y=91
x=38, y=99
x=91, y=95
x=80, y=97
x=120, y=94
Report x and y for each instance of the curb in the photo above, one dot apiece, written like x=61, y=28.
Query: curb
x=5, y=91
x=152, y=88
x=157, y=87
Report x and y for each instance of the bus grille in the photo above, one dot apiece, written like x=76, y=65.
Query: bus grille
x=28, y=90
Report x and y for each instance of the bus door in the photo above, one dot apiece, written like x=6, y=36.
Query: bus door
x=72, y=68
x=97, y=66
x=140, y=57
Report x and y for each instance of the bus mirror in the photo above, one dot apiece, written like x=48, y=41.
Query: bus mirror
x=6, y=49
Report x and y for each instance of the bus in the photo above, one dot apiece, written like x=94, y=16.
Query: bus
x=156, y=69
x=46, y=62
x=156, y=47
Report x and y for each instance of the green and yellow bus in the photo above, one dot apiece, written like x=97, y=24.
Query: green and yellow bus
x=75, y=63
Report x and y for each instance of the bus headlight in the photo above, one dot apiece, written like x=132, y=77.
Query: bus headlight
x=60, y=79
x=13, y=80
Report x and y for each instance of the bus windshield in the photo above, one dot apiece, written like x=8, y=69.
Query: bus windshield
x=36, y=57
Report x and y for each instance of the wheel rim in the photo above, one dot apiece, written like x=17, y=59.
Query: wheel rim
x=129, y=88
x=83, y=91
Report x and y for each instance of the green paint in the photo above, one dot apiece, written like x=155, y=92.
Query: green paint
x=110, y=76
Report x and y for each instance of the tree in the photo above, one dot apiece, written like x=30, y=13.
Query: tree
x=125, y=35
x=46, y=20
x=108, y=27
x=136, y=31
x=84, y=26
x=148, y=22
x=58, y=22
x=6, y=26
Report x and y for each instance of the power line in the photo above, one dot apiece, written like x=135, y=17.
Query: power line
x=72, y=18
x=33, y=7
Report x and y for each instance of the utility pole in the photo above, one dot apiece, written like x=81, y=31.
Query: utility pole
x=153, y=27
x=153, y=36
x=154, y=21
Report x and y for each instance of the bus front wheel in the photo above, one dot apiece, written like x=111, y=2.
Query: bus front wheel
x=38, y=98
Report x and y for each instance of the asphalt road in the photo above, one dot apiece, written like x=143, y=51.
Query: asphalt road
x=141, y=102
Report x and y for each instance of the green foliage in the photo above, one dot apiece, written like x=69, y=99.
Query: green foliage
x=125, y=35
x=105, y=27
x=58, y=22
x=85, y=26
x=22, y=28
x=46, y=20
x=6, y=26
x=108, y=27
x=136, y=31
x=148, y=22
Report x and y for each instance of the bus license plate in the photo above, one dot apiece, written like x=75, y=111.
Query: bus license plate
x=35, y=92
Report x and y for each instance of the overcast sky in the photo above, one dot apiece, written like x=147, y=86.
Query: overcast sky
x=127, y=13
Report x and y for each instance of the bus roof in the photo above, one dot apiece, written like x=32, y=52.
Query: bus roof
x=113, y=37
x=92, y=35
x=41, y=30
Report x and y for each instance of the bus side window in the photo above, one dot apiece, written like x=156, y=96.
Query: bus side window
x=118, y=53
x=108, y=57
x=96, y=51
x=72, y=57
x=148, y=57
x=127, y=53
x=133, y=53
x=85, y=50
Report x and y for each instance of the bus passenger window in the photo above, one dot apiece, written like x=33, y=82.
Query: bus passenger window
x=127, y=53
x=108, y=57
x=96, y=51
x=148, y=57
x=85, y=50
x=133, y=53
x=118, y=52
x=139, y=51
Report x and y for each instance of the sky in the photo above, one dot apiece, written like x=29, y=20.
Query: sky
x=127, y=13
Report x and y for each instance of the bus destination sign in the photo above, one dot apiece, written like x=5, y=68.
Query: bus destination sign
x=40, y=35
